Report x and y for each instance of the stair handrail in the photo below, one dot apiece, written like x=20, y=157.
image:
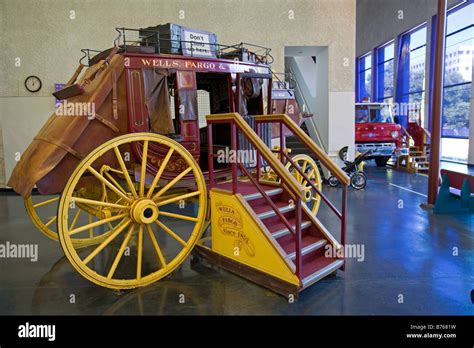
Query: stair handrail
x=261, y=148
x=426, y=132
x=306, y=105
x=309, y=143
x=288, y=181
x=324, y=159
x=410, y=138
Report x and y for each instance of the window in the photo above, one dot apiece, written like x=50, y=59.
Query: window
x=204, y=106
x=373, y=113
x=458, y=79
x=364, y=78
x=384, y=73
x=411, y=76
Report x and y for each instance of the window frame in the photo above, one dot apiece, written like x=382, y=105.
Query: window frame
x=400, y=95
x=378, y=80
x=359, y=71
x=454, y=85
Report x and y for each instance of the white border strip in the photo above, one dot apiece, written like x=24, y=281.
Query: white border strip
x=404, y=188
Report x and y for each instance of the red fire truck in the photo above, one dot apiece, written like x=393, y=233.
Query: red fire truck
x=376, y=130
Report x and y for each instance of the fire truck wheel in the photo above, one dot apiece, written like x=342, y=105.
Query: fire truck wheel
x=382, y=161
x=159, y=213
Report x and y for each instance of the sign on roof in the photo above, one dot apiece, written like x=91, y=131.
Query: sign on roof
x=198, y=43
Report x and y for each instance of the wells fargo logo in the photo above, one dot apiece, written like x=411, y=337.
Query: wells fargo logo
x=231, y=224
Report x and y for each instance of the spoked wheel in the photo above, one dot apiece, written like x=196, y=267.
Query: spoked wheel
x=42, y=211
x=269, y=175
x=309, y=167
x=359, y=180
x=332, y=181
x=158, y=217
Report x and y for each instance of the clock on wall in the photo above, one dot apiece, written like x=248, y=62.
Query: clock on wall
x=33, y=83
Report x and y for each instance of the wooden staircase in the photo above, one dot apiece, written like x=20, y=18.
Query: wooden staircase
x=315, y=264
x=263, y=231
x=419, y=161
x=281, y=243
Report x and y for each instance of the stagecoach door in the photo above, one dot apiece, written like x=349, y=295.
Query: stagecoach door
x=186, y=120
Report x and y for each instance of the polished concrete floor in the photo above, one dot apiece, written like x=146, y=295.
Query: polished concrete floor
x=415, y=263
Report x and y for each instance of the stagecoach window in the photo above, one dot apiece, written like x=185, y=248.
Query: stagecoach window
x=188, y=108
x=157, y=100
x=204, y=106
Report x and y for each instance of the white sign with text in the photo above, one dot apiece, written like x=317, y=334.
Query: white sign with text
x=197, y=44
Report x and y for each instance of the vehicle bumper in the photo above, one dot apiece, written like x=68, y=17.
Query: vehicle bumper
x=378, y=149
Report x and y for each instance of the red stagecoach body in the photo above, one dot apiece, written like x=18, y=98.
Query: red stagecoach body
x=130, y=86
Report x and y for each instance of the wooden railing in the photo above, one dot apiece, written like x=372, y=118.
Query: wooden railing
x=236, y=121
x=285, y=121
x=325, y=160
x=426, y=140
x=408, y=136
x=288, y=181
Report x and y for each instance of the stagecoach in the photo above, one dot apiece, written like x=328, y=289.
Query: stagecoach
x=133, y=184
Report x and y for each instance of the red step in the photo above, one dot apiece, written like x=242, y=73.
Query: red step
x=264, y=211
x=309, y=244
x=278, y=229
x=317, y=266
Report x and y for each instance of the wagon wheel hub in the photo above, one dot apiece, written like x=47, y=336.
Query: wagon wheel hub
x=308, y=194
x=144, y=211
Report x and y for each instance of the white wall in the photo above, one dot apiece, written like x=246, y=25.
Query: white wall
x=312, y=80
x=20, y=118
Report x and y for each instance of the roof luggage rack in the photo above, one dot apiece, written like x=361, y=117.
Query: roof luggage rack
x=165, y=39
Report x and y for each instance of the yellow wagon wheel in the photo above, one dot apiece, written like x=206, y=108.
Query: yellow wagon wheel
x=310, y=168
x=267, y=172
x=159, y=218
x=42, y=211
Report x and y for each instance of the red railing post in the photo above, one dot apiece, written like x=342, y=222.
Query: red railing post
x=237, y=93
x=210, y=157
x=269, y=97
x=233, y=141
x=343, y=222
x=298, y=260
x=259, y=159
x=282, y=142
